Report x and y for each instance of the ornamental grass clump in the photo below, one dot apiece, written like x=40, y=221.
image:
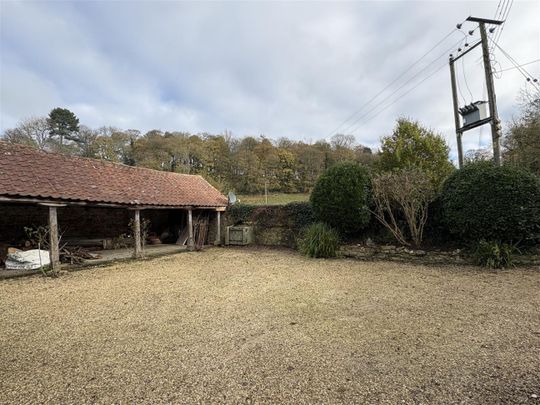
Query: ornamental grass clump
x=494, y=255
x=319, y=240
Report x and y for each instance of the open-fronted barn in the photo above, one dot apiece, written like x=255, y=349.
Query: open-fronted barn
x=83, y=200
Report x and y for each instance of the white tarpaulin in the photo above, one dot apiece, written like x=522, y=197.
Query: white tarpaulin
x=27, y=260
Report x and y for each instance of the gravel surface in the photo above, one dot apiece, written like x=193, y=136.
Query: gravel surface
x=268, y=326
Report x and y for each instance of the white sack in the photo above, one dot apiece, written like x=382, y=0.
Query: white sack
x=27, y=260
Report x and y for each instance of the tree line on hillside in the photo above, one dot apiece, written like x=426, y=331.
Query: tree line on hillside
x=246, y=165
x=251, y=164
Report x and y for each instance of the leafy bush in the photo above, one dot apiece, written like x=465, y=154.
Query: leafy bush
x=404, y=194
x=319, y=240
x=340, y=197
x=266, y=216
x=494, y=255
x=240, y=213
x=483, y=201
x=299, y=215
x=413, y=146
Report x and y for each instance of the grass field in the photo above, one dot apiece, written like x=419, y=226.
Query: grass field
x=273, y=198
x=233, y=325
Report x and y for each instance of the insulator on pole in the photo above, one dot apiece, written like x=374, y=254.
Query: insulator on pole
x=458, y=26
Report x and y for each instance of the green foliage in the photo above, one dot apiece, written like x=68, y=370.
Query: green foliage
x=522, y=141
x=413, y=146
x=483, y=201
x=340, y=197
x=494, y=255
x=299, y=214
x=63, y=123
x=319, y=240
x=240, y=213
x=248, y=165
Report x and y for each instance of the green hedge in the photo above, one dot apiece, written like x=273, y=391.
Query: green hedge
x=240, y=213
x=483, y=201
x=341, y=196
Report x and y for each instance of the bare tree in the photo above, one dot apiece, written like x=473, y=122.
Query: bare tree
x=342, y=141
x=403, y=195
x=32, y=131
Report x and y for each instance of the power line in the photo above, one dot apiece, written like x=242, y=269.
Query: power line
x=465, y=78
x=521, y=69
x=402, y=95
x=496, y=11
x=504, y=18
x=394, y=81
x=403, y=85
x=458, y=85
x=516, y=67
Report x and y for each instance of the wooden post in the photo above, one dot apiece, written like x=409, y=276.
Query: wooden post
x=495, y=123
x=137, y=234
x=459, y=133
x=218, y=228
x=53, y=239
x=191, y=243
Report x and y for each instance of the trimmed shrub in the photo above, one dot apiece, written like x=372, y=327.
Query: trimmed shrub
x=341, y=196
x=484, y=201
x=299, y=215
x=494, y=255
x=319, y=240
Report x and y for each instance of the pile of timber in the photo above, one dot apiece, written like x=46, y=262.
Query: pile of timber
x=76, y=255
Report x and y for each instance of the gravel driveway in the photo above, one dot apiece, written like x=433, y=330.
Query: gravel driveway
x=260, y=326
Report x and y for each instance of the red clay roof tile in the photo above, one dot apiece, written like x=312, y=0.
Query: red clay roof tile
x=28, y=172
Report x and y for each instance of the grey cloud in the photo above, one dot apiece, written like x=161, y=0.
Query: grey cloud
x=279, y=69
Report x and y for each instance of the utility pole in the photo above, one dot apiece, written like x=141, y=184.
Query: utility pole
x=456, y=114
x=493, y=118
x=495, y=123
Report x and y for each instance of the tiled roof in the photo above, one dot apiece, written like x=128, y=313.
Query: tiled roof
x=27, y=172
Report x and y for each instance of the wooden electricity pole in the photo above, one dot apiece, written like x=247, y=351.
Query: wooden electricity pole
x=493, y=115
x=495, y=123
x=459, y=133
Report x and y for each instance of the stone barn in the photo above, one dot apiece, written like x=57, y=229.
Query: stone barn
x=88, y=201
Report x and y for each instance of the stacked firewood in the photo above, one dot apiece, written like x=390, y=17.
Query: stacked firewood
x=76, y=255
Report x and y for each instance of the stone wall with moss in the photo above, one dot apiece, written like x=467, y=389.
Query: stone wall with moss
x=273, y=225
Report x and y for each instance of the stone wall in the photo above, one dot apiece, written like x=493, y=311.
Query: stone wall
x=273, y=225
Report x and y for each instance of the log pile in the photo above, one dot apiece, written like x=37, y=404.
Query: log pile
x=76, y=255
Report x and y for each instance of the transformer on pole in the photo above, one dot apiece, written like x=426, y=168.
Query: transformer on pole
x=479, y=112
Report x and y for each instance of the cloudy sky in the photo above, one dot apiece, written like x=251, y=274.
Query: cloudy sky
x=282, y=69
